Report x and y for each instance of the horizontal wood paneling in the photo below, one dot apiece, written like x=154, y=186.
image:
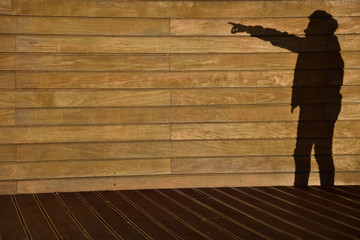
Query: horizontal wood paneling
x=183, y=9
x=7, y=117
x=264, y=61
x=203, y=79
x=98, y=95
x=5, y=7
x=102, y=168
x=171, y=149
x=7, y=43
x=206, y=27
x=174, y=181
x=83, y=26
x=7, y=99
x=7, y=80
x=200, y=131
x=262, y=95
x=259, y=164
x=78, y=44
x=7, y=152
x=83, y=62
x=93, y=98
x=223, y=113
x=84, y=133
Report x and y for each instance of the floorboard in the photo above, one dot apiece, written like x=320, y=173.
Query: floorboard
x=203, y=213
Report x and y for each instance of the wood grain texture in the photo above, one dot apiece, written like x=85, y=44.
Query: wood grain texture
x=8, y=187
x=183, y=9
x=201, y=131
x=249, y=61
x=7, y=153
x=206, y=27
x=100, y=44
x=47, y=134
x=175, y=181
x=165, y=149
x=75, y=98
x=203, y=79
x=260, y=164
x=7, y=80
x=5, y=7
x=7, y=99
x=7, y=43
x=83, y=26
x=94, y=168
x=7, y=117
x=226, y=96
x=92, y=115
x=230, y=113
x=83, y=62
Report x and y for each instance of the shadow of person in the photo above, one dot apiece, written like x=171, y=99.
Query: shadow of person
x=318, y=78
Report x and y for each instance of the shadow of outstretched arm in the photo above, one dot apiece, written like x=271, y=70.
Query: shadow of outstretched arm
x=275, y=37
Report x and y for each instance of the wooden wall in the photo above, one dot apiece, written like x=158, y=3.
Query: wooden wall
x=109, y=94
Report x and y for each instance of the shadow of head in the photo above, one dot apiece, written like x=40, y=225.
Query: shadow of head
x=321, y=23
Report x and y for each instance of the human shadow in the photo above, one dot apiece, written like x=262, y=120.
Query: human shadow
x=318, y=77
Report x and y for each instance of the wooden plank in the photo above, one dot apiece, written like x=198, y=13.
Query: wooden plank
x=60, y=217
x=46, y=134
x=183, y=9
x=7, y=117
x=203, y=79
x=347, y=25
x=5, y=7
x=8, y=187
x=7, y=80
x=230, y=113
x=88, y=168
x=83, y=62
x=213, y=96
x=12, y=227
x=7, y=43
x=257, y=130
x=144, y=219
x=7, y=99
x=7, y=152
x=259, y=164
x=76, y=98
x=83, y=26
x=34, y=218
x=209, y=44
x=164, y=149
x=176, y=181
x=264, y=61
x=91, y=224
x=92, y=116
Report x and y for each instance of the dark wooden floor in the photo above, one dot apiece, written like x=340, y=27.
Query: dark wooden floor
x=217, y=213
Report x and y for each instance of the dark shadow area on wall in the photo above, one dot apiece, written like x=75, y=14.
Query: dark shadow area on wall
x=318, y=78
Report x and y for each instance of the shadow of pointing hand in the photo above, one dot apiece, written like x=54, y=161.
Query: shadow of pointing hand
x=237, y=27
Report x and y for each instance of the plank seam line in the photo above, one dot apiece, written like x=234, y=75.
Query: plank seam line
x=72, y=216
x=314, y=212
x=153, y=219
x=198, y=215
x=179, y=219
x=222, y=214
x=123, y=215
x=47, y=217
x=21, y=218
x=346, y=198
x=332, y=201
x=317, y=204
x=97, y=215
x=252, y=217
